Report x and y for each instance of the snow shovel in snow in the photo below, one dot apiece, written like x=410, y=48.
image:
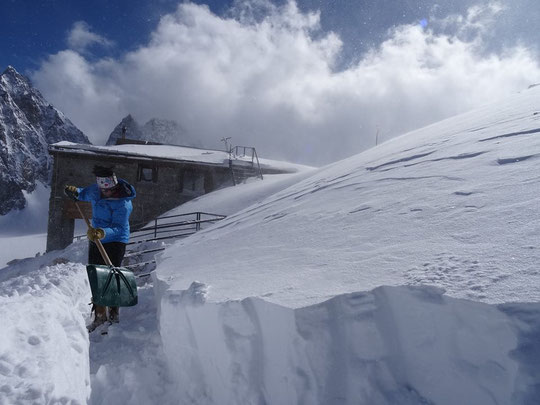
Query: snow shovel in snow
x=111, y=286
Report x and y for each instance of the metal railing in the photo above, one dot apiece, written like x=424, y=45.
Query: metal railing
x=142, y=248
x=244, y=154
x=170, y=227
x=165, y=227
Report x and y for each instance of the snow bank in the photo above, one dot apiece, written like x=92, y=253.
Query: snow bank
x=44, y=342
x=406, y=345
x=228, y=201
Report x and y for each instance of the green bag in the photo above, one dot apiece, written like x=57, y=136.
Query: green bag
x=112, y=286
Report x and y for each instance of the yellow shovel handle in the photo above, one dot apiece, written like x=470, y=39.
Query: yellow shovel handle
x=97, y=242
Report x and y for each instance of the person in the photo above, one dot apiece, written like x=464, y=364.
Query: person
x=111, y=207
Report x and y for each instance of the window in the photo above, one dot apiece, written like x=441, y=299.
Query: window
x=193, y=182
x=147, y=173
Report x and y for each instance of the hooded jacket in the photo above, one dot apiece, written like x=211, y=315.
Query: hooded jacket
x=110, y=214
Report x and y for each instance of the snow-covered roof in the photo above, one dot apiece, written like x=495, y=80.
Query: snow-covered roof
x=162, y=152
x=169, y=152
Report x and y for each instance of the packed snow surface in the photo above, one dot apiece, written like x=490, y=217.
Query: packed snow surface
x=397, y=276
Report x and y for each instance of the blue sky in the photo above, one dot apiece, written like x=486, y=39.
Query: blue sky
x=311, y=81
x=30, y=30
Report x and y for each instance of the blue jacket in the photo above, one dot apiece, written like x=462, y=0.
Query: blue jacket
x=110, y=214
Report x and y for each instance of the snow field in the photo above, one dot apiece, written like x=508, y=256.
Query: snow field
x=44, y=341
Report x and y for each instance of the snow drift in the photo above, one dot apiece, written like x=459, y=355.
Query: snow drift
x=393, y=345
x=44, y=341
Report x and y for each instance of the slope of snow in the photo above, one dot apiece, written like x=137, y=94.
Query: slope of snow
x=298, y=297
x=228, y=201
x=451, y=205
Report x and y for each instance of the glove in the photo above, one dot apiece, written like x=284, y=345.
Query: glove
x=95, y=234
x=71, y=192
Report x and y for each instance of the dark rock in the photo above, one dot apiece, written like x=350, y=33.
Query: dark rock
x=28, y=125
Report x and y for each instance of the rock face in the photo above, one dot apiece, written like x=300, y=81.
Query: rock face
x=133, y=131
x=155, y=130
x=28, y=124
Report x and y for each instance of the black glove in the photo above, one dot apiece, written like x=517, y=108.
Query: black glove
x=71, y=192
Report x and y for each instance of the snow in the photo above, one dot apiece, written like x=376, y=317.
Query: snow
x=174, y=152
x=44, y=342
x=26, y=229
x=449, y=205
x=406, y=345
x=406, y=274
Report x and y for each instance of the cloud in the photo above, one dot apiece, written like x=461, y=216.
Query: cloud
x=266, y=77
x=80, y=38
x=475, y=25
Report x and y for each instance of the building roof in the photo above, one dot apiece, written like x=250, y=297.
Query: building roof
x=168, y=153
x=151, y=152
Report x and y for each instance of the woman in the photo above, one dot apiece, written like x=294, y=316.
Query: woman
x=111, y=207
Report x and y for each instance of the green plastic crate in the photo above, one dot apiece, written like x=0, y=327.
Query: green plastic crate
x=112, y=286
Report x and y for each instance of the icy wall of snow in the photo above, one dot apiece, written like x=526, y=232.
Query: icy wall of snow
x=44, y=342
x=406, y=345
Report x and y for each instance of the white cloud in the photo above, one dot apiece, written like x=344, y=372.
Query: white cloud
x=268, y=80
x=81, y=37
x=475, y=25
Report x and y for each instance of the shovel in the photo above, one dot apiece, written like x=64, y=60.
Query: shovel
x=111, y=286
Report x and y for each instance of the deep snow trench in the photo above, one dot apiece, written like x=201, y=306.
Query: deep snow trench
x=406, y=345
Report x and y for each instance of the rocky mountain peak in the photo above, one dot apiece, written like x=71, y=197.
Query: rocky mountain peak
x=155, y=130
x=131, y=127
x=15, y=82
x=28, y=124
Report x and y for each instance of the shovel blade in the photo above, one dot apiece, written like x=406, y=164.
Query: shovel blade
x=112, y=286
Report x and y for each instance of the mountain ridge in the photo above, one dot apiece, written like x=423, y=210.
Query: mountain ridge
x=158, y=130
x=28, y=124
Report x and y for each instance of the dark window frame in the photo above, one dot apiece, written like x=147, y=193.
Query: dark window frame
x=141, y=170
x=193, y=176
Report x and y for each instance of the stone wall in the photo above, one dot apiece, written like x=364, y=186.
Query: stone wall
x=160, y=186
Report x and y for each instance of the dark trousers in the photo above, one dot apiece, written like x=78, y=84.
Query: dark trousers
x=115, y=251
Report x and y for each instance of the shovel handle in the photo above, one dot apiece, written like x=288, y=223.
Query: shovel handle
x=97, y=242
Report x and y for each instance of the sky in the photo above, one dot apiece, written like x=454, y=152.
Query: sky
x=308, y=81
x=372, y=299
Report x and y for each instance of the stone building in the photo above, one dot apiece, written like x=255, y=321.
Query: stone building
x=164, y=177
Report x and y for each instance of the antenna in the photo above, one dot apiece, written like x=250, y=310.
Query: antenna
x=226, y=141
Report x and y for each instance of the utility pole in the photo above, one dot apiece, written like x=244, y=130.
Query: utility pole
x=377, y=136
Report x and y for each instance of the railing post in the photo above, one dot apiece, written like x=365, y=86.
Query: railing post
x=198, y=226
x=155, y=228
